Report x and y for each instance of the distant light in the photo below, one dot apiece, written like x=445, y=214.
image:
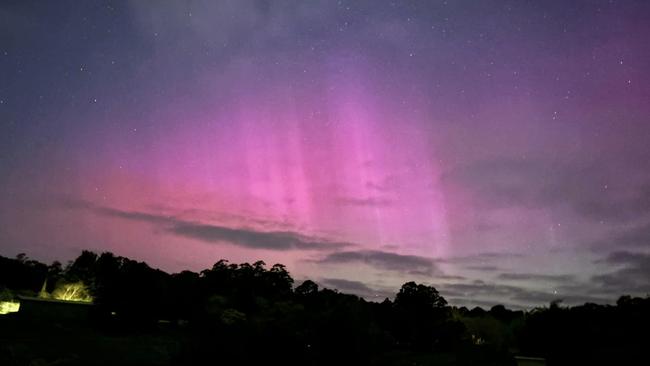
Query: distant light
x=7, y=307
x=72, y=292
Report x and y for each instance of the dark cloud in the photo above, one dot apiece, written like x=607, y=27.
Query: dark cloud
x=536, y=277
x=346, y=285
x=450, y=277
x=485, y=268
x=480, y=289
x=631, y=277
x=626, y=258
x=357, y=288
x=243, y=237
x=275, y=240
x=540, y=298
x=112, y=212
x=480, y=292
x=480, y=258
x=410, y=264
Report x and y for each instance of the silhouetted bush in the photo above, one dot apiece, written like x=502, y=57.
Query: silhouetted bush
x=248, y=313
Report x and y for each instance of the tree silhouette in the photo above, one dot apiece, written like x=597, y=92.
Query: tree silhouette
x=307, y=288
x=417, y=296
x=423, y=319
x=248, y=314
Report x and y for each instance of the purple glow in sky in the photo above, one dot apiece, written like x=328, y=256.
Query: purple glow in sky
x=498, y=150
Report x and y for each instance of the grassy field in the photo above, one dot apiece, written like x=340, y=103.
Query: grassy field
x=37, y=344
x=22, y=343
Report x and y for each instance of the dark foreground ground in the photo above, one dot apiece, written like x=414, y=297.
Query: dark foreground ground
x=27, y=343
x=39, y=344
x=253, y=315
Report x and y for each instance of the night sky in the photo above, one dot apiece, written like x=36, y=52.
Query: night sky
x=497, y=150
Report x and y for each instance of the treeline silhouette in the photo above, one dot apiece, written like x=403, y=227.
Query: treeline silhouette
x=248, y=313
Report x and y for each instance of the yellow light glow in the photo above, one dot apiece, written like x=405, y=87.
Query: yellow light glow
x=72, y=292
x=7, y=307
